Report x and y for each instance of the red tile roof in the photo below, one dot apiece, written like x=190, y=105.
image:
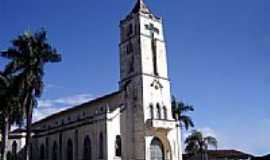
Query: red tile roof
x=227, y=154
x=219, y=154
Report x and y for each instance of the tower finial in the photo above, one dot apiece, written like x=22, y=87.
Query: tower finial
x=140, y=7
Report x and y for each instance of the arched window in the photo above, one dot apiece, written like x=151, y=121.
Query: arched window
x=14, y=147
x=157, y=150
x=54, y=151
x=158, y=112
x=130, y=29
x=87, y=150
x=47, y=147
x=118, y=146
x=129, y=48
x=31, y=151
x=165, y=112
x=42, y=152
x=151, y=111
x=101, y=152
x=9, y=155
x=60, y=139
x=69, y=150
x=76, y=143
x=14, y=150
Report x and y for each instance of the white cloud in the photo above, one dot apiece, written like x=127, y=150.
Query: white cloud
x=47, y=107
x=65, y=101
x=50, y=87
x=41, y=113
x=207, y=131
x=73, y=100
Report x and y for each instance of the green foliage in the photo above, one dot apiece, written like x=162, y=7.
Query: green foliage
x=10, y=106
x=197, y=143
x=28, y=55
x=178, y=110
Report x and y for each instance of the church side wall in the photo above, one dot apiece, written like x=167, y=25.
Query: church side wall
x=87, y=121
x=77, y=135
x=113, y=130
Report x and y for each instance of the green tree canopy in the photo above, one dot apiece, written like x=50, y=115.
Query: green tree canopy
x=10, y=107
x=28, y=55
x=196, y=143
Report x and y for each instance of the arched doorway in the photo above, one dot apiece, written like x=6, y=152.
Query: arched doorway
x=14, y=150
x=54, y=151
x=157, y=150
x=42, y=152
x=69, y=150
x=118, y=146
x=101, y=151
x=87, y=151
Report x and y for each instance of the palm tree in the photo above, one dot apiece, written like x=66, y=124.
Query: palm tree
x=178, y=110
x=28, y=55
x=10, y=108
x=197, y=143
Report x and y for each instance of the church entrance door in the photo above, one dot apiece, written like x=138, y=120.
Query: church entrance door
x=157, y=151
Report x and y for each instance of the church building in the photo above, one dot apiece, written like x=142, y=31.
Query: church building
x=133, y=123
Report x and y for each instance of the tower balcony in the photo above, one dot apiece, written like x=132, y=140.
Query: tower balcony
x=161, y=124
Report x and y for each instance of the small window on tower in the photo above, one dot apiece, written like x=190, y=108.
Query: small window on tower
x=129, y=29
x=131, y=65
x=151, y=111
x=158, y=111
x=129, y=48
x=165, y=112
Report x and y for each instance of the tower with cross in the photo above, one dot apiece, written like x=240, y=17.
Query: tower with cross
x=148, y=129
x=132, y=123
x=153, y=30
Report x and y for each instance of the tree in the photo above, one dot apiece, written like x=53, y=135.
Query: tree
x=179, y=109
x=10, y=108
x=197, y=143
x=28, y=55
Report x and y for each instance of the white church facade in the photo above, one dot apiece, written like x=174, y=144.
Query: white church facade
x=133, y=123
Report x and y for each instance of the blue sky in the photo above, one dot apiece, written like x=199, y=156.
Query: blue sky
x=218, y=54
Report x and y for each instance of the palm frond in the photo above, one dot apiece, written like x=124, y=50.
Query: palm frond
x=175, y=110
x=212, y=141
x=193, y=142
x=53, y=57
x=3, y=79
x=192, y=148
x=197, y=143
x=28, y=55
x=11, y=53
x=185, y=108
x=194, y=136
x=186, y=121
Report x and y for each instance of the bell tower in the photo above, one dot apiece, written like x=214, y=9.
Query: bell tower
x=146, y=86
x=142, y=45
